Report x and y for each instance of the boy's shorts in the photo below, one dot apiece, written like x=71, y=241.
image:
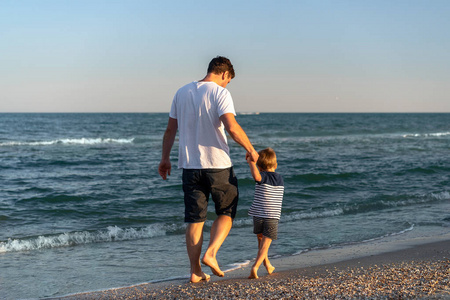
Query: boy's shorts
x=268, y=227
x=198, y=184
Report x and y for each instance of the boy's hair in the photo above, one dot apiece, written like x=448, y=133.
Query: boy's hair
x=220, y=64
x=267, y=159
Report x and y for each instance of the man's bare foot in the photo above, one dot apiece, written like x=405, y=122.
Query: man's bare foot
x=212, y=263
x=195, y=278
x=253, y=273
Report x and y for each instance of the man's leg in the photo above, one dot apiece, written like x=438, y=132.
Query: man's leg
x=219, y=231
x=196, y=205
x=225, y=194
x=194, y=241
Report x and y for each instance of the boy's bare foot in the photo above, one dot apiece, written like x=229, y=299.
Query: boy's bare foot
x=268, y=266
x=203, y=277
x=212, y=263
x=270, y=269
x=253, y=274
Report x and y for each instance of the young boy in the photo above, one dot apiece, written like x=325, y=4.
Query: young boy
x=266, y=206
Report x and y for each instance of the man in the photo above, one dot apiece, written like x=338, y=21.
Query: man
x=201, y=111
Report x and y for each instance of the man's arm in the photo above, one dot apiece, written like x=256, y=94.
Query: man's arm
x=239, y=136
x=169, y=138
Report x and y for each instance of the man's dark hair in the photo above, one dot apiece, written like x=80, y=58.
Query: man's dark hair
x=220, y=64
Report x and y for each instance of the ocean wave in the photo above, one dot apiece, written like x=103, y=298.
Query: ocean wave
x=372, y=204
x=377, y=203
x=110, y=234
x=312, y=215
x=440, y=196
x=419, y=170
x=292, y=138
x=381, y=202
x=242, y=222
x=80, y=141
x=288, y=217
x=410, y=228
x=236, y=266
x=437, y=134
x=318, y=177
x=403, y=231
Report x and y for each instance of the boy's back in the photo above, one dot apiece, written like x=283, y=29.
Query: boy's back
x=268, y=196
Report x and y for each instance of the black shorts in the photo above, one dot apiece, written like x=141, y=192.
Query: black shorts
x=268, y=227
x=198, y=184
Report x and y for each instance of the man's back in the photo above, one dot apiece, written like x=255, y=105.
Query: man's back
x=197, y=107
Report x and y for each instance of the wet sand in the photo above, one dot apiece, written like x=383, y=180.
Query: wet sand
x=416, y=268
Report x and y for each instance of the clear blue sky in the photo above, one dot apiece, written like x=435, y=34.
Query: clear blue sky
x=289, y=56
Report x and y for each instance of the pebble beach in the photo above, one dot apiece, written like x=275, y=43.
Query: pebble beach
x=419, y=272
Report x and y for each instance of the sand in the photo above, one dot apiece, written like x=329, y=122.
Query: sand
x=411, y=266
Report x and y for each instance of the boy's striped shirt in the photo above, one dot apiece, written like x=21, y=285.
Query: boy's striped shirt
x=268, y=196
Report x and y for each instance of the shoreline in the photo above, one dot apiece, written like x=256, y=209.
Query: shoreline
x=413, y=251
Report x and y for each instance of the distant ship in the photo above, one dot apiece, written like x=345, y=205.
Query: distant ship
x=248, y=113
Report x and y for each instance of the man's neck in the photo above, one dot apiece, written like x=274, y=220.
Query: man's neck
x=219, y=79
x=211, y=78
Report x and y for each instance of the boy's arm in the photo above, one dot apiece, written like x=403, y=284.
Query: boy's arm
x=254, y=170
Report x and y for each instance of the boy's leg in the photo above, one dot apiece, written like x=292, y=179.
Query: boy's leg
x=266, y=261
x=262, y=255
x=194, y=241
x=219, y=231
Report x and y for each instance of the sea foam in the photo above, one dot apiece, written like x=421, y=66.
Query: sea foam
x=437, y=134
x=110, y=234
x=68, y=141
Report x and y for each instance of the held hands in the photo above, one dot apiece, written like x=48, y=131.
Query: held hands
x=252, y=157
x=249, y=160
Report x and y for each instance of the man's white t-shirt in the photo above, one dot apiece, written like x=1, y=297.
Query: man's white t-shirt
x=197, y=107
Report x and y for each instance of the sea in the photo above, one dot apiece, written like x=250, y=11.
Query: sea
x=82, y=207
